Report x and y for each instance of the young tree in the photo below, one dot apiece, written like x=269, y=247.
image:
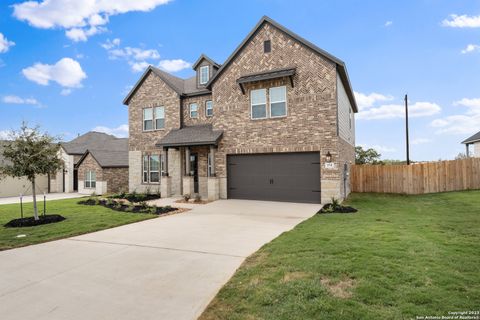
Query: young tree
x=369, y=156
x=31, y=153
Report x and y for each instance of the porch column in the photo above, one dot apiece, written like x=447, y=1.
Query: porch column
x=166, y=180
x=187, y=161
x=188, y=186
x=467, y=151
x=165, y=163
x=213, y=182
x=212, y=161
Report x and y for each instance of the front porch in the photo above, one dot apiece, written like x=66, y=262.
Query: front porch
x=188, y=162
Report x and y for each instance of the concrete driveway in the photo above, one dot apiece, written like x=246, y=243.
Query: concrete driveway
x=165, y=268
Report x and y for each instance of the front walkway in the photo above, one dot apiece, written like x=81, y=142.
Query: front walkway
x=50, y=196
x=165, y=268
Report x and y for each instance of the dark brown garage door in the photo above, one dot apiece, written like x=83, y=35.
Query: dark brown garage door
x=291, y=177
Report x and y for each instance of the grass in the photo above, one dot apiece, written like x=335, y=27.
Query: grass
x=397, y=258
x=80, y=219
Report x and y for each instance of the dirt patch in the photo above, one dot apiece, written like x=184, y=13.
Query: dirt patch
x=296, y=275
x=339, y=289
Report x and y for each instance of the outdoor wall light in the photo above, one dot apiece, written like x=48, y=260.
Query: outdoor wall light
x=329, y=157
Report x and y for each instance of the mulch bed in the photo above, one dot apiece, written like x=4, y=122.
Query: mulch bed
x=192, y=202
x=136, y=197
x=134, y=208
x=31, y=222
x=329, y=208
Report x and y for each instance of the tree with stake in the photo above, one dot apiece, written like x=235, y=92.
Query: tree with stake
x=31, y=153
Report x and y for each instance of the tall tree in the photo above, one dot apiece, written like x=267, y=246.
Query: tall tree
x=31, y=153
x=369, y=156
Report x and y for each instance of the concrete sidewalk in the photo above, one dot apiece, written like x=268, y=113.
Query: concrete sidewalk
x=50, y=196
x=165, y=268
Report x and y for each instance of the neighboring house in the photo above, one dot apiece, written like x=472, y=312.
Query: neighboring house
x=274, y=122
x=475, y=141
x=89, y=166
x=12, y=187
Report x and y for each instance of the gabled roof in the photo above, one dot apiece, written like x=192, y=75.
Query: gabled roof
x=191, y=136
x=95, y=141
x=107, y=158
x=342, y=70
x=204, y=57
x=472, y=139
x=183, y=87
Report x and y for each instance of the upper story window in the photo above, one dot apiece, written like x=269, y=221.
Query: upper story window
x=153, y=118
x=148, y=119
x=278, y=101
x=193, y=110
x=258, y=100
x=159, y=117
x=204, y=74
x=209, y=108
x=90, y=179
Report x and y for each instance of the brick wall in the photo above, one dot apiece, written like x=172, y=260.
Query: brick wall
x=202, y=117
x=116, y=178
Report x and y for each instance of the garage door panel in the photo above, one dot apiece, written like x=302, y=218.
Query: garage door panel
x=293, y=177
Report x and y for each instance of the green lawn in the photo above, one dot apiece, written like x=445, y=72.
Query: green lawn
x=79, y=219
x=397, y=258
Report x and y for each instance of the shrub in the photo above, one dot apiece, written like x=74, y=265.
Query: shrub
x=186, y=197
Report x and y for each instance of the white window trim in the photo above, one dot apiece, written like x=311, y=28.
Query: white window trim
x=190, y=110
x=208, y=74
x=206, y=108
x=153, y=119
x=154, y=171
x=148, y=171
x=270, y=102
x=251, y=105
x=89, y=180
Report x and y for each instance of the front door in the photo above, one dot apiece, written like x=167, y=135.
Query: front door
x=194, y=171
x=75, y=180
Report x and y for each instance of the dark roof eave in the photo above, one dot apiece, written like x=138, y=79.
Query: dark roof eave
x=187, y=144
x=266, y=75
x=470, y=141
x=199, y=93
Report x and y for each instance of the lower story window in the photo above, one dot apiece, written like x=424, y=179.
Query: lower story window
x=151, y=169
x=90, y=179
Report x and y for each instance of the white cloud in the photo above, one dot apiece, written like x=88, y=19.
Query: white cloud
x=467, y=123
x=139, y=59
x=81, y=19
x=138, y=66
x=5, y=44
x=66, y=72
x=463, y=21
x=120, y=131
x=420, y=141
x=471, y=48
x=388, y=23
x=11, y=99
x=5, y=134
x=391, y=111
x=365, y=101
x=65, y=92
x=378, y=148
x=174, y=65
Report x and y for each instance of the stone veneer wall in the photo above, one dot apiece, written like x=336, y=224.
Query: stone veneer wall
x=311, y=122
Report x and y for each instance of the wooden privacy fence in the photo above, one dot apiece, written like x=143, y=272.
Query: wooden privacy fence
x=429, y=177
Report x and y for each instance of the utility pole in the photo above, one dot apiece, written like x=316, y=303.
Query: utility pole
x=406, y=129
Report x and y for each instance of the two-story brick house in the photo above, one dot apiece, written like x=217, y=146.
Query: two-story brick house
x=275, y=122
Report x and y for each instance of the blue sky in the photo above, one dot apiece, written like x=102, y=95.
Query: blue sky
x=67, y=65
